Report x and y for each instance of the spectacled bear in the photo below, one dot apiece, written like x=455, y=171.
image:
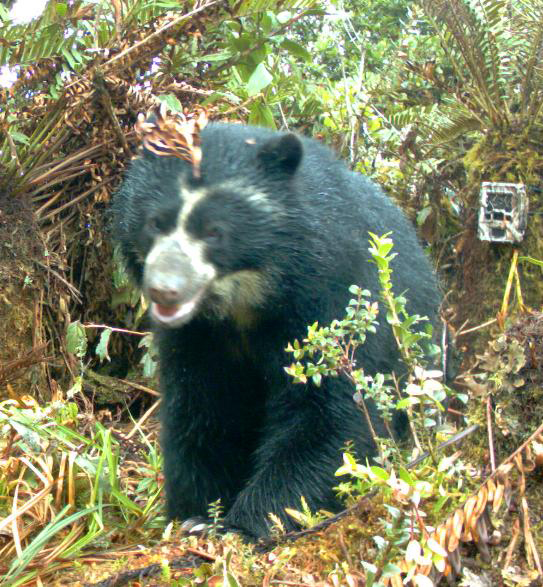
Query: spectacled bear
x=237, y=260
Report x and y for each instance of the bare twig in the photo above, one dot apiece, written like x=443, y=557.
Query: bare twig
x=138, y=425
x=73, y=290
x=469, y=330
x=140, y=387
x=453, y=440
x=61, y=178
x=123, y=330
x=531, y=548
x=102, y=91
x=82, y=196
x=515, y=533
x=82, y=154
x=490, y=435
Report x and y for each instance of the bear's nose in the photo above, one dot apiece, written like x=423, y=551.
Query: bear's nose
x=164, y=296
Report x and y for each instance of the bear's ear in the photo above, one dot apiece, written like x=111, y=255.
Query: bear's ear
x=281, y=155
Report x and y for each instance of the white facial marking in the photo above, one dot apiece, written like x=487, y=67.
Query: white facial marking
x=261, y=201
x=192, y=248
x=160, y=244
x=189, y=200
x=252, y=195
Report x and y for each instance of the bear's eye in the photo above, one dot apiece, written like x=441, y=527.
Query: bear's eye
x=213, y=234
x=155, y=224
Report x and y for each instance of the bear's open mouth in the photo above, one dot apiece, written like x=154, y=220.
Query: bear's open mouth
x=176, y=314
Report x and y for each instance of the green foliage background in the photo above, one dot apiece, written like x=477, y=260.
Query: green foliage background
x=429, y=98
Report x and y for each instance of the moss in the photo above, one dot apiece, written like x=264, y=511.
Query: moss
x=511, y=372
x=482, y=268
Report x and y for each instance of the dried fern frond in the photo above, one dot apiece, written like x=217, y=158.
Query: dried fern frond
x=471, y=521
x=174, y=135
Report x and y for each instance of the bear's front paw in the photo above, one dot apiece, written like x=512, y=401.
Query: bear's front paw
x=248, y=522
x=195, y=526
x=201, y=527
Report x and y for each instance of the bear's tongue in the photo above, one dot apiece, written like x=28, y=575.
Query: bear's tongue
x=173, y=313
x=170, y=314
x=166, y=310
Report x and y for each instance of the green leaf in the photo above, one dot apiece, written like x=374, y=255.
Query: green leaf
x=149, y=365
x=405, y=476
x=222, y=56
x=266, y=22
x=61, y=8
x=260, y=78
x=380, y=472
x=390, y=570
x=438, y=506
x=261, y=115
x=171, y=102
x=146, y=342
x=230, y=581
x=296, y=49
x=68, y=57
x=19, y=137
x=531, y=260
x=374, y=124
x=77, y=387
x=371, y=570
x=76, y=339
x=407, y=402
x=257, y=56
x=423, y=215
x=101, y=347
x=53, y=529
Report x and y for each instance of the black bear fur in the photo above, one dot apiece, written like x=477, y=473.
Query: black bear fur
x=282, y=228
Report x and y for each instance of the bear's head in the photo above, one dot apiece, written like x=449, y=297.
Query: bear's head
x=208, y=241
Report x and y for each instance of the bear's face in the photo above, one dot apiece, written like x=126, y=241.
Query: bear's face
x=208, y=244
x=207, y=252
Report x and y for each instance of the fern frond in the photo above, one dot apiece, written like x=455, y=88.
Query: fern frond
x=474, y=36
x=253, y=6
x=449, y=122
x=438, y=124
x=529, y=24
x=414, y=115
